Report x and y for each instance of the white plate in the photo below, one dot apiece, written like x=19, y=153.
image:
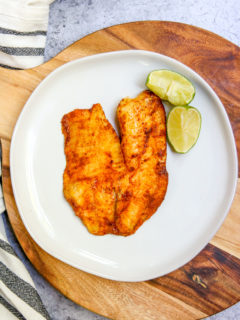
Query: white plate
x=201, y=183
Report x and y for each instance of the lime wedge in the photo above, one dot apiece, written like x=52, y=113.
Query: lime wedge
x=183, y=128
x=171, y=86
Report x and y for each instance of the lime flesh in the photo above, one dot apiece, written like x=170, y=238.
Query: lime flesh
x=171, y=86
x=183, y=128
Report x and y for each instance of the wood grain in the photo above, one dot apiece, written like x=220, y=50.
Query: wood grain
x=210, y=282
x=202, y=279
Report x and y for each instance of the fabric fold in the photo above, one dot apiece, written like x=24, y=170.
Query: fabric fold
x=17, y=290
x=23, y=31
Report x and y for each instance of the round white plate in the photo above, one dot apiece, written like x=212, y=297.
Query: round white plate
x=201, y=183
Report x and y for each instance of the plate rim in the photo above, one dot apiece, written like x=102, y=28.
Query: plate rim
x=221, y=108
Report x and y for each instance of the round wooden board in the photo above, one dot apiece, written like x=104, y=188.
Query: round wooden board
x=211, y=281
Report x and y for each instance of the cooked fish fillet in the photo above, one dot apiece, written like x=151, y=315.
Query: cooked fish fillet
x=115, y=187
x=143, y=142
x=94, y=163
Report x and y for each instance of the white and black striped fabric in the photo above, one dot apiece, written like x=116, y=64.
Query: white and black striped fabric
x=18, y=296
x=23, y=29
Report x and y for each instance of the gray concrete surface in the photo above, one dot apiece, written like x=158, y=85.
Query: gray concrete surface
x=70, y=20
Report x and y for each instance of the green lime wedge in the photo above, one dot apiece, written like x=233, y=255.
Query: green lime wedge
x=183, y=127
x=171, y=86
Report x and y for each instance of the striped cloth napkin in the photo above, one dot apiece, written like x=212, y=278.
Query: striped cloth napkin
x=23, y=29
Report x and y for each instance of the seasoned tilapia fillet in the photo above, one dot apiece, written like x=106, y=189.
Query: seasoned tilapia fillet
x=143, y=142
x=94, y=163
x=115, y=186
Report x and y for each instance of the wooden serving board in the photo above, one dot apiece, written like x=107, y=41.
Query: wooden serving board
x=211, y=281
